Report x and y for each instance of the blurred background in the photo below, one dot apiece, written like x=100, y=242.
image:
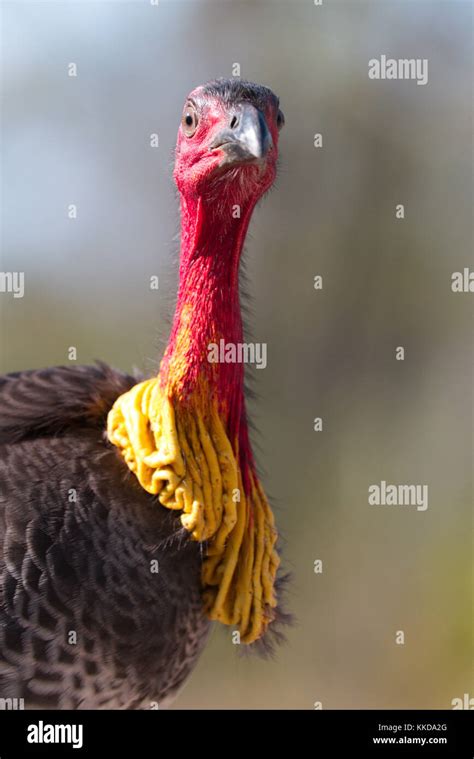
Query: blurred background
x=85, y=140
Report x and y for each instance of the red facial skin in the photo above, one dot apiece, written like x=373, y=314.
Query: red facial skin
x=208, y=307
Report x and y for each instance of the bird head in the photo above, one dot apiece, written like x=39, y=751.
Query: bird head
x=228, y=141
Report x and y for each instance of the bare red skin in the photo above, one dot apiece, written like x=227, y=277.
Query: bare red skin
x=208, y=306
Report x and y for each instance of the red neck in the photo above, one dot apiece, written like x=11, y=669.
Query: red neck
x=208, y=309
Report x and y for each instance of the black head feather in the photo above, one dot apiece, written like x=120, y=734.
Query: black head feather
x=231, y=91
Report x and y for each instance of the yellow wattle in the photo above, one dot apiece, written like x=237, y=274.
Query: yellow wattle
x=183, y=455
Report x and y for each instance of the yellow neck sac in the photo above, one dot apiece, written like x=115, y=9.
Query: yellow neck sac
x=185, y=457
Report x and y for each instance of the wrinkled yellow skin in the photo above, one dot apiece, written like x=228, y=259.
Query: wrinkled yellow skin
x=185, y=457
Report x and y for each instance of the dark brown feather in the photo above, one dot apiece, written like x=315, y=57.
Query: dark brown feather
x=78, y=535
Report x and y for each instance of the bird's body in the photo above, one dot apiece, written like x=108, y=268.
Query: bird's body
x=84, y=622
x=131, y=512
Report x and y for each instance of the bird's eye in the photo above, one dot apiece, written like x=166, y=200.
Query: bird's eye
x=280, y=119
x=190, y=120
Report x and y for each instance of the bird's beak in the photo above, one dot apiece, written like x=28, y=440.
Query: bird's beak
x=246, y=139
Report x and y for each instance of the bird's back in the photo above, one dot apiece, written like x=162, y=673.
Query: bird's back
x=99, y=586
